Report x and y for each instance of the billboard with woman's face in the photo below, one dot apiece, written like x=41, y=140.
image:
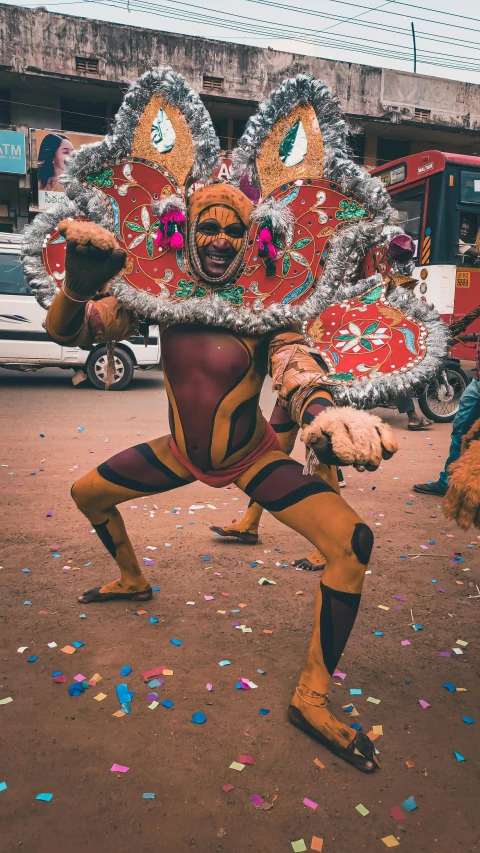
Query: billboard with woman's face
x=53, y=149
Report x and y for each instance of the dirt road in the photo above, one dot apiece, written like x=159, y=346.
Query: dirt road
x=54, y=743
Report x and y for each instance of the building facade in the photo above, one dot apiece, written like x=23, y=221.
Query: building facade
x=62, y=79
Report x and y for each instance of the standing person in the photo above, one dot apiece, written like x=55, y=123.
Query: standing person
x=468, y=413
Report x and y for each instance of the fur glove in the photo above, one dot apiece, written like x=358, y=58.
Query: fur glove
x=462, y=501
x=346, y=436
x=93, y=257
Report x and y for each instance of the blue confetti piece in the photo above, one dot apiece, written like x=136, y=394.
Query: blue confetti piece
x=156, y=589
x=123, y=694
x=87, y=564
x=263, y=712
x=198, y=717
x=417, y=627
x=32, y=473
x=238, y=685
x=32, y=659
x=80, y=429
x=468, y=720
x=45, y=797
x=27, y=602
x=378, y=633
x=356, y=726
x=126, y=708
x=76, y=689
x=450, y=687
x=434, y=543
x=277, y=549
x=403, y=556
x=155, y=682
x=42, y=435
x=148, y=796
x=26, y=571
x=82, y=616
x=206, y=559
x=153, y=620
x=176, y=642
x=56, y=556
x=57, y=672
x=235, y=611
x=224, y=663
x=125, y=670
x=254, y=565
x=355, y=691
x=458, y=756
x=3, y=786
x=261, y=671
x=167, y=703
x=409, y=804
x=348, y=709
x=78, y=644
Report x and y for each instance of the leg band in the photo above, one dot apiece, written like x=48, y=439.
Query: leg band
x=362, y=543
x=337, y=616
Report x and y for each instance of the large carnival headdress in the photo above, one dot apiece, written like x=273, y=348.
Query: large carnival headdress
x=317, y=239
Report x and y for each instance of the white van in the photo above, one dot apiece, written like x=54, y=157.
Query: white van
x=25, y=345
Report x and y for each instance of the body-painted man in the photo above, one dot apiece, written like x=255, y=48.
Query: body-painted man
x=223, y=283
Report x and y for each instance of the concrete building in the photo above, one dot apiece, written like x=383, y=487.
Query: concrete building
x=68, y=74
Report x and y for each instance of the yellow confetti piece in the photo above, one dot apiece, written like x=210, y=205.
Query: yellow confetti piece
x=390, y=841
x=375, y=701
x=100, y=697
x=236, y=765
x=382, y=607
x=461, y=690
x=167, y=672
x=361, y=808
x=96, y=678
x=378, y=730
x=153, y=705
x=462, y=643
x=222, y=612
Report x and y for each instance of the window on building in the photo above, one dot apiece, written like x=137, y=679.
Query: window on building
x=238, y=128
x=5, y=117
x=422, y=115
x=86, y=65
x=221, y=129
x=357, y=147
x=389, y=148
x=84, y=116
x=214, y=84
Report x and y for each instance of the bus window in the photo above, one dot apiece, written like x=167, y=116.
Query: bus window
x=409, y=205
x=11, y=275
x=468, y=239
x=470, y=187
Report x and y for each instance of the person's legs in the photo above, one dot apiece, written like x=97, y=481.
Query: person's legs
x=468, y=413
x=146, y=469
x=311, y=506
x=406, y=406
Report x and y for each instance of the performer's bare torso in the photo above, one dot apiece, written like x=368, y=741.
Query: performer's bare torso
x=213, y=379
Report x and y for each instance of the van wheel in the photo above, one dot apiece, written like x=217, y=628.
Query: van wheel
x=97, y=369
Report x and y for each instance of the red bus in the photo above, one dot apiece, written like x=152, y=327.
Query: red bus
x=438, y=198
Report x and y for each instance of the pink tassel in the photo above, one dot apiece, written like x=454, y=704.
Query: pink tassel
x=265, y=236
x=176, y=240
x=265, y=239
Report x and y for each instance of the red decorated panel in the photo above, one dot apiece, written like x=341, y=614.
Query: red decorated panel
x=375, y=261
x=363, y=336
x=321, y=209
x=130, y=188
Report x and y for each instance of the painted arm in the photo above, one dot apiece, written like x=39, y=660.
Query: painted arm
x=82, y=313
x=333, y=436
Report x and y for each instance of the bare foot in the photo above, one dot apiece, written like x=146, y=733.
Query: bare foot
x=309, y=711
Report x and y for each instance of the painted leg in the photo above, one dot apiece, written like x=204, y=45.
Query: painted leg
x=146, y=469
x=309, y=505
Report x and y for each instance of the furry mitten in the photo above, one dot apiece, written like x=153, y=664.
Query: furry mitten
x=462, y=501
x=345, y=436
x=93, y=257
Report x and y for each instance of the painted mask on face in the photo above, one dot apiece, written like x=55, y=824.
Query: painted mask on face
x=218, y=239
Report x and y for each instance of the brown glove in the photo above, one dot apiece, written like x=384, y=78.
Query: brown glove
x=93, y=257
x=345, y=436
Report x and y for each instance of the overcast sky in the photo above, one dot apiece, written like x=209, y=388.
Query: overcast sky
x=372, y=33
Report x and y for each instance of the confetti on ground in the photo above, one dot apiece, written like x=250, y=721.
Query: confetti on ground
x=100, y=697
x=69, y=650
x=224, y=663
x=409, y=805
x=148, y=796
x=45, y=797
x=198, y=717
x=119, y=768
x=390, y=841
x=3, y=786
x=319, y=763
x=227, y=788
x=424, y=704
x=468, y=720
x=299, y=846
x=397, y=813
x=363, y=811
x=310, y=803
x=235, y=765
x=458, y=756
x=375, y=701
x=316, y=844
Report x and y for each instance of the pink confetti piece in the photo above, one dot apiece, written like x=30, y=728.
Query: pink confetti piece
x=209, y=686
x=310, y=803
x=405, y=643
x=79, y=677
x=424, y=704
x=227, y=788
x=445, y=654
x=149, y=673
x=208, y=597
x=246, y=759
x=256, y=800
x=339, y=674
x=119, y=768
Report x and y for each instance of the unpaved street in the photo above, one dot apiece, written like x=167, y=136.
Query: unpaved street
x=55, y=743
